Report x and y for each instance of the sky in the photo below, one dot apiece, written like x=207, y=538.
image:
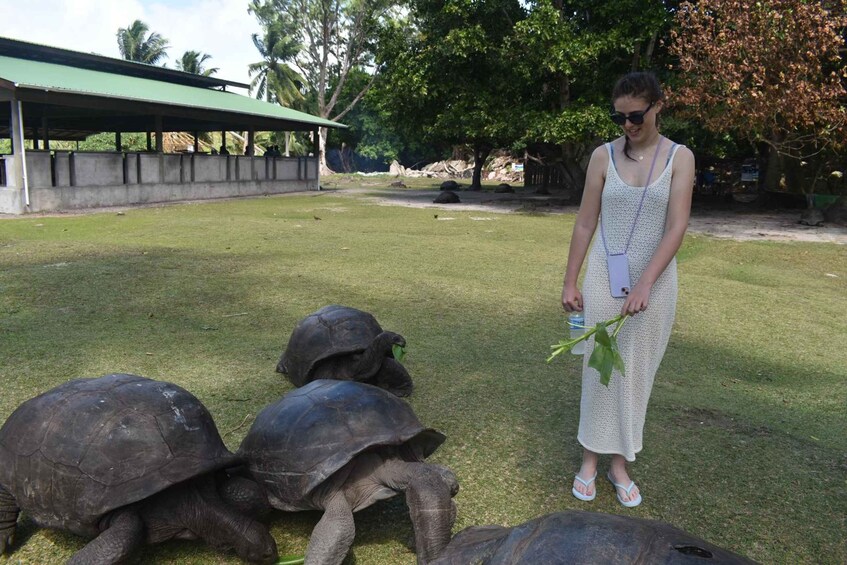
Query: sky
x=220, y=28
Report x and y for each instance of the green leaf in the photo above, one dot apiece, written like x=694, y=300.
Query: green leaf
x=616, y=356
x=398, y=352
x=602, y=335
x=291, y=560
x=606, y=357
x=602, y=361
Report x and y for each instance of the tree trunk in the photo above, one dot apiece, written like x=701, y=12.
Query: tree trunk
x=773, y=171
x=573, y=167
x=480, y=154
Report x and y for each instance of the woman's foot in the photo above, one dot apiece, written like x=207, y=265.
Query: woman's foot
x=583, y=484
x=626, y=489
x=584, y=489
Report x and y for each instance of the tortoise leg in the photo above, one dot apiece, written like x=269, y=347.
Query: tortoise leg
x=333, y=535
x=394, y=378
x=123, y=534
x=9, y=511
x=429, y=495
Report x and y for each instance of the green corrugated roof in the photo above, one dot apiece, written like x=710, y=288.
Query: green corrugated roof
x=49, y=76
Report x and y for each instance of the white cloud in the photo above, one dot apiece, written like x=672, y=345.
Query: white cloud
x=221, y=28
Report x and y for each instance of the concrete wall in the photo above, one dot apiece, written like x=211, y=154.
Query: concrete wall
x=6, y=175
x=38, y=169
x=11, y=200
x=66, y=198
x=62, y=168
x=209, y=168
x=149, y=167
x=173, y=169
x=96, y=169
x=85, y=180
x=131, y=168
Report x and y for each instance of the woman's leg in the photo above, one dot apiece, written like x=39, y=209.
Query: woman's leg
x=586, y=472
x=619, y=474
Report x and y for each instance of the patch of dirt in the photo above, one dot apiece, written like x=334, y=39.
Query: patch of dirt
x=742, y=225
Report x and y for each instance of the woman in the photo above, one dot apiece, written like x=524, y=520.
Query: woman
x=642, y=223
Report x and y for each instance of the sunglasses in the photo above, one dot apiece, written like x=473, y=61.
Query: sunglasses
x=635, y=118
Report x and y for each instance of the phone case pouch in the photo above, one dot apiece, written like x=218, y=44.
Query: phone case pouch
x=619, y=283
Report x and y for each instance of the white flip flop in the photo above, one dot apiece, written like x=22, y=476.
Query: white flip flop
x=579, y=495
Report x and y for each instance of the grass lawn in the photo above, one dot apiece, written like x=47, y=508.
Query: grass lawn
x=745, y=441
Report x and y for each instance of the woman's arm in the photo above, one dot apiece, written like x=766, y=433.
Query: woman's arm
x=679, y=210
x=583, y=230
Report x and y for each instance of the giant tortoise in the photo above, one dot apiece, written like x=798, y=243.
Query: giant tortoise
x=124, y=460
x=343, y=343
x=340, y=446
x=577, y=537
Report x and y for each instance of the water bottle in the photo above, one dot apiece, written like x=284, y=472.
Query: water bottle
x=576, y=321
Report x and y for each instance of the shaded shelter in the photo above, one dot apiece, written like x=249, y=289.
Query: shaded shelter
x=48, y=94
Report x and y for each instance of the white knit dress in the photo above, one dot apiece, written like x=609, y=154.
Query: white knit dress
x=611, y=420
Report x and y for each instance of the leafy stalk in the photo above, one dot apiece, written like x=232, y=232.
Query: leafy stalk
x=606, y=355
x=398, y=352
x=291, y=560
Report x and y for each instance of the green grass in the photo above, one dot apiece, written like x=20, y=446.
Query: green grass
x=745, y=440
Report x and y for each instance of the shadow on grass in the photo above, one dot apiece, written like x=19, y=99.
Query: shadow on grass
x=215, y=324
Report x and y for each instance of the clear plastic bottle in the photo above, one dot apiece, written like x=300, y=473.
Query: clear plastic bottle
x=576, y=323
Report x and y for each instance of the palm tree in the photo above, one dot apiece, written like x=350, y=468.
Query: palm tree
x=275, y=81
x=134, y=44
x=192, y=62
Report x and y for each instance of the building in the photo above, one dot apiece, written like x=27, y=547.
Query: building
x=51, y=94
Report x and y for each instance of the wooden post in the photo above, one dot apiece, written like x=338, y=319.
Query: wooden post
x=159, y=136
x=160, y=148
x=118, y=141
x=251, y=137
x=149, y=142
x=223, y=139
x=196, y=144
x=46, y=133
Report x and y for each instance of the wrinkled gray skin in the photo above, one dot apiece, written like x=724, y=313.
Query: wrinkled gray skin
x=123, y=460
x=343, y=343
x=583, y=537
x=341, y=446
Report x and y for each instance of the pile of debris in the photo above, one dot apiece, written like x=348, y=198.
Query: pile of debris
x=502, y=168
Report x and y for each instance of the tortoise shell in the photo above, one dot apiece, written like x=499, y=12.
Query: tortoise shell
x=90, y=446
x=298, y=442
x=583, y=537
x=333, y=330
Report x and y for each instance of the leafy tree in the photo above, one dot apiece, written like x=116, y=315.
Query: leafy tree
x=192, y=62
x=768, y=71
x=334, y=38
x=534, y=74
x=447, y=80
x=135, y=45
x=570, y=53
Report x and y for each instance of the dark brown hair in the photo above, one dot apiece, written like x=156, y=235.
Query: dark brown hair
x=638, y=85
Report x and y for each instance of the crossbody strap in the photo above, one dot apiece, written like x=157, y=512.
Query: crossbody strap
x=640, y=204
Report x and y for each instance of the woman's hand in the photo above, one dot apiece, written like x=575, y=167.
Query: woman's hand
x=571, y=299
x=637, y=299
